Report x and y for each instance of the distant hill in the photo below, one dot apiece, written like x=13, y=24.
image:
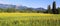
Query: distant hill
x=41, y=9
x=7, y=6
x=19, y=7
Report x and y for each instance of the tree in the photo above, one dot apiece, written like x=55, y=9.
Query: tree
x=58, y=9
x=11, y=10
x=28, y=10
x=1, y=10
x=54, y=10
x=49, y=9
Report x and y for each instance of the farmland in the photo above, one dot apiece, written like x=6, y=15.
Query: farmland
x=29, y=19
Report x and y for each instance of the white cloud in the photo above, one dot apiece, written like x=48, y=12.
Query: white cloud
x=3, y=2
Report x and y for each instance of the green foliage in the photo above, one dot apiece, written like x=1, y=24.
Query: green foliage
x=39, y=11
x=1, y=10
x=54, y=10
x=11, y=10
x=27, y=10
x=49, y=9
x=58, y=10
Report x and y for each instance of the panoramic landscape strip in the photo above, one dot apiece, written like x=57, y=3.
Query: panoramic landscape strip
x=14, y=15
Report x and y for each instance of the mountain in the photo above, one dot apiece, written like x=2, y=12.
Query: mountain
x=22, y=7
x=7, y=6
x=12, y=6
x=40, y=9
x=19, y=7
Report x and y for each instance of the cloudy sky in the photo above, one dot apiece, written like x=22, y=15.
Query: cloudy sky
x=31, y=3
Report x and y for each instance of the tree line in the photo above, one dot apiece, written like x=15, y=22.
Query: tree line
x=53, y=10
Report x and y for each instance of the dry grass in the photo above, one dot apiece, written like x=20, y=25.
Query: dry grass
x=24, y=14
x=29, y=19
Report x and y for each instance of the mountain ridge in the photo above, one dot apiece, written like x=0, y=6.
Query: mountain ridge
x=18, y=7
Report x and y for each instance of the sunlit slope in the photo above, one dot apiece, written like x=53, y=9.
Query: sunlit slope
x=24, y=14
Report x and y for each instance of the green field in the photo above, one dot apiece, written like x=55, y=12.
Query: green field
x=18, y=20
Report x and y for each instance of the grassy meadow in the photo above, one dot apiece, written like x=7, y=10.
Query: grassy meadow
x=29, y=19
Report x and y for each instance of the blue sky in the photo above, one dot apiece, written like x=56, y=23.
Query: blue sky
x=31, y=3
